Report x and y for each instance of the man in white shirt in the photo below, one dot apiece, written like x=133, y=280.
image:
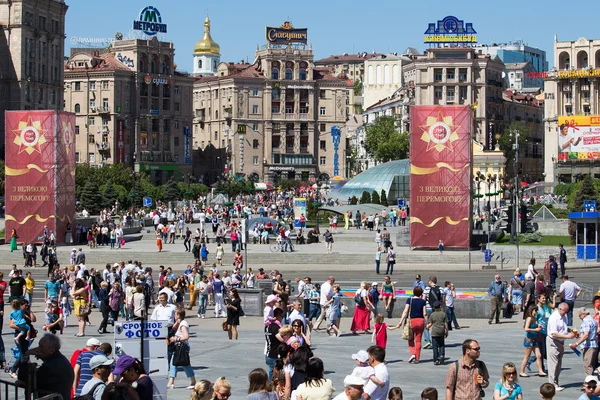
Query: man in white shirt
x=297, y=314
x=164, y=311
x=555, y=342
x=326, y=293
x=353, y=389
x=202, y=218
x=227, y=282
x=156, y=221
x=567, y=141
x=569, y=291
x=376, y=360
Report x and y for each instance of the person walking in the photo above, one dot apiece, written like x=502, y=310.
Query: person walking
x=362, y=313
x=555, y=342
x=468, y=376
x=517, y=282
x=377, y=259
x=438, y=326
x=234, y=311
x=569, y=291
x=328, y=240
x=218, y=289
x=532, y=330
x=180, y=338
x=496, y=293
x=562, y=259
x=325, y=294
x=415, y=314
x=391, y=261
x=587, y=339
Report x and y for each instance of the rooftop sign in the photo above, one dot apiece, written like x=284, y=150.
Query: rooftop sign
x=286, y=33
x=450, y=30
x=150, y=22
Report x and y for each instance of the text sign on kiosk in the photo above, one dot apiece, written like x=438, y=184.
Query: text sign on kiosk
x=132, y=330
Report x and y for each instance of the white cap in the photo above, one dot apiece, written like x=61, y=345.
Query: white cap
x=100, y=360
x=590, y=378
x=374, y=284
x=93, y=342
x=361, y=356
x=352, y=380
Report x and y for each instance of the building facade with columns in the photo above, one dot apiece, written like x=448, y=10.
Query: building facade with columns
x=131, y=107
x=274, y=117
x=572, y=110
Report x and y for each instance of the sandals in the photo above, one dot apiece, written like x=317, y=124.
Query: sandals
x=524, y=375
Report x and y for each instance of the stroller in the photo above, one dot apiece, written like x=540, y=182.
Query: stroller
x=15, y=357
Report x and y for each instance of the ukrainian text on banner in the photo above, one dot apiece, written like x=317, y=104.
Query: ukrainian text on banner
x=40, y=174
x=440, y=176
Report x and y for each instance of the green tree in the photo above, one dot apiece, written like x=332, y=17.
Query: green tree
x=358, y=87
x=353, y=200
x=384, y=142
x=2, y=176
x=109, y=195
x=172, y=192
x=586, y=191
x=365, y=198
x=383, y=198
x=375, y=197
x=507, y=141
x=91, y=199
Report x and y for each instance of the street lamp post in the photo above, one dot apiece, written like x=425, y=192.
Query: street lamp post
x=317, y=203
x=517, y=198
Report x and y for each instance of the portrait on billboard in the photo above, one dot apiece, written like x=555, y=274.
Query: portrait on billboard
x=579, y=138
x=440, y=176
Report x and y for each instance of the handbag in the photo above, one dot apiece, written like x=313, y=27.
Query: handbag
x=181, y=357
x=84, y=311
x=407, y=332
x=224, y=325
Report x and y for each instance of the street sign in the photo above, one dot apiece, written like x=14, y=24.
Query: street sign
x=131, y=330
x=147, y=202
x=589, y=205
x=401, y=203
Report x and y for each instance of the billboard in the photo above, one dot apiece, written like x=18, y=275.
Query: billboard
x=40, y=173
x=579, y=138
x=450, y=30
x=286, y=34
x=440, y=176
x=299, y=210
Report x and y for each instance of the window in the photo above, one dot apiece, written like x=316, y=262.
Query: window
x=289, y=74
x=53, y=96
x=92, y=121
x=254, y=160
x=438, y=92
x=92, y=85
x=216, y=135
x=77, y=129
x=77, y=157
x=322, y=110
x=92, y=104
x=274, y=73
x=322, y=160
x=450, y=74
x=176, y=89
x=255, y=92
x=105, y=103
x=322, y=127
x=216, y=114
x=450, y=94
x=127, y=104
x=176, y=124
x=91, y=139
x=302, y=74
x=255, y=144
x=199, y=64
x=92, y=157
x=126, y=86
x=254, y=109
x=321, y=94
x=77, y=108
x=254, y=126
x=105, y=85
x=176, y=141
x=176, y=106
x=323, y=145
x=437, y=75
x=77, y=85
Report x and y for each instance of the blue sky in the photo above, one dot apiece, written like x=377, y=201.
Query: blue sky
x=337, y=27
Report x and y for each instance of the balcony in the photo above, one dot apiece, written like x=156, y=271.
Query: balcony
x=199, y=116
x=103, y=110
x=227, y=113
x=157, y=157
x=568, y=100
x=585, y=100
x=585, y=87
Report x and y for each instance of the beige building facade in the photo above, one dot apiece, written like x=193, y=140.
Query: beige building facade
x=31, y=56
x=132, y=107
x=383, y=76
x=274, y=117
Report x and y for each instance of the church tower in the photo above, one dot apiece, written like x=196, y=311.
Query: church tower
x=207, y=54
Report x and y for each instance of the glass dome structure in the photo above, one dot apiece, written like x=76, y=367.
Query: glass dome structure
x=393, y=177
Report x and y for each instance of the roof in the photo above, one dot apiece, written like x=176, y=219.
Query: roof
x=516, y=66
x=523, y=98
x=338, y=59
x=99, y=62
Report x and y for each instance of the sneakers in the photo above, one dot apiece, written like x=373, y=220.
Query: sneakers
x=436, y=362
x=203, y=316
x=412, y=358
x=559, y=388
x=427, y=345
x=13, y=375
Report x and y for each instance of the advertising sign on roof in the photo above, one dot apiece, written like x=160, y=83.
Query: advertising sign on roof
x=450, y=30
x=286, y=34
x=150, y=22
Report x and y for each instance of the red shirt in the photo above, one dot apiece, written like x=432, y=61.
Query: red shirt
x=2, y=289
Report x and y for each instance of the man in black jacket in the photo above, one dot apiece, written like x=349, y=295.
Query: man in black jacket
x=562, y=259
x=55, y=375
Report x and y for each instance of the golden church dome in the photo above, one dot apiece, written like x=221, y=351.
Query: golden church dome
x=207, y=45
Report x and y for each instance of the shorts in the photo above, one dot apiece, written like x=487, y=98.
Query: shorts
x=529, y=343
x=387, y=295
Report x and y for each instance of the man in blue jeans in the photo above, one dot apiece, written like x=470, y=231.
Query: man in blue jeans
x=272, y=343
x=569, y=291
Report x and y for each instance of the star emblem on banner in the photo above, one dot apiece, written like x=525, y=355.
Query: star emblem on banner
x=29, y=136
x=67, y=133
x=439, y=132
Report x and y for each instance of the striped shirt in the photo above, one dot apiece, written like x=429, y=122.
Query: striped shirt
x=85, y=373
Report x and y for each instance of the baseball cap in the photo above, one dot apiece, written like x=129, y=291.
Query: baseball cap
x=74, y=249
x=93, y=342
x=374, y=284
x=590, y=378
x=271, y=298
x=352, y=380
x=100, y=360
x=361, y=356
x=123, y=363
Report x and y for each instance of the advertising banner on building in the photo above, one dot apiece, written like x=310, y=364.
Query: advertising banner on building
x=120, y=141
x=187, y=145
x=579, y=138
x=440, y=176
x=299, y=210
x=40, y=174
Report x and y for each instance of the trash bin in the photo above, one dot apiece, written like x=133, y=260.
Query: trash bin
x=487, y=255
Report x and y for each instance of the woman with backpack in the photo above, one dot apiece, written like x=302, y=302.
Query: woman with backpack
x=362, y=313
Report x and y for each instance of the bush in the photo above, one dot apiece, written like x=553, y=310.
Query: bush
x=354, y=200
x=383, y=198
x=532, y=237
x=365, y=198
x=375, y=197
x=563, y=188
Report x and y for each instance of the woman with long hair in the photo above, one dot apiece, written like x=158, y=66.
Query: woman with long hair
x=81, y=300
x=234, y=306
x=416, y=310
x=202, y=391
x=295, y=371
x=259, y=387
x=13, y=240
x=181, y=338
x=532, y=329
x=115, y=298
x=315, y=386
x=388, y=293
x=362, y=313
x=508, y=388
x=221, y=389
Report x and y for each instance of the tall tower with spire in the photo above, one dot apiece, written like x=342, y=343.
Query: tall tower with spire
x=207, y=53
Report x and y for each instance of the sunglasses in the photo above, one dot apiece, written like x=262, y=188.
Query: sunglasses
x=475, y=348
x=510, y=373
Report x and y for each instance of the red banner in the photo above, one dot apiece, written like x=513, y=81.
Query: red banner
x=120, y=141
x=40, y=174
x=440, y=176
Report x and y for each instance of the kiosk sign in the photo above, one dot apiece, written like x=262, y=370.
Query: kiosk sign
x=131, y=330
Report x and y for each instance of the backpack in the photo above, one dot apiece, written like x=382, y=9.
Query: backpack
x=434, y=295
x=359, y=300
x=89, y=395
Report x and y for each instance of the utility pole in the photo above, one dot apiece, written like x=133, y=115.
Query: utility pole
x=517, y=198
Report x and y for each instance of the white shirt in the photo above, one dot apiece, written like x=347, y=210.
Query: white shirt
x=170, y=294
x=156, y=219
x=294, y=315
x=179, y=332
x=164, y=313
x=375, y=391
x=363, y=372
x=569, y=289
x=341, y=396
x=326, y=292
x=562, y=139
x=557, y=324
x=530, y=272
